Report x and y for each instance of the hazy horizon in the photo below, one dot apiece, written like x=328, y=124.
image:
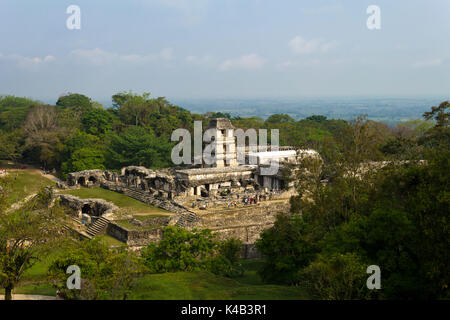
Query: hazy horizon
x=389, y=109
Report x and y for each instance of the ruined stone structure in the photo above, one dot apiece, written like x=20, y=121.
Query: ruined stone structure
x=86, y=178
x=87, y=208
x=210, y=196
x=213, y=181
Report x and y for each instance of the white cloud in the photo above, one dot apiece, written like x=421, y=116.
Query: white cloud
x=205, y=60
x=302, y=46
x=250, y=61
x=137, y=58
x=28, y=62
x=98, y=56
x=298, y=63
x=326, y=46
x=49, y=58
x=95, y=56
x=166, y=54
x=428, y=63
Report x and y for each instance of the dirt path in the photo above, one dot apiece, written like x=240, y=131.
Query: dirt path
x=19, y=204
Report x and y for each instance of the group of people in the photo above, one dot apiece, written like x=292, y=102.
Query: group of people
x=249, y=200
x=253, y=200
x=232, y=204
x=246, y=201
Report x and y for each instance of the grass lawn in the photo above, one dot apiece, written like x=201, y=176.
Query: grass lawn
x=108, y=240
x=251, y=267
x=44, y=289
x=185, y=285
x=38, y=272
x=207, y=286
x=25, y=183
x=129, y=226
x=120, y=200
x=143, y=218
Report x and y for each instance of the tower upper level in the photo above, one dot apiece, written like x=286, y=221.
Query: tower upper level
x=225, y=142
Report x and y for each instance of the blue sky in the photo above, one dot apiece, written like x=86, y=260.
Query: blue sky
x=225, y=48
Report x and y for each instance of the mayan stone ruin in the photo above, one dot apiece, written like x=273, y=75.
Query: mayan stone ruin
x=233, y=200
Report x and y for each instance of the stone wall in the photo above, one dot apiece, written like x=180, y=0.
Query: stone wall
x=157, y=222
x=245, y=224
x=134, y=238
x=245, y=233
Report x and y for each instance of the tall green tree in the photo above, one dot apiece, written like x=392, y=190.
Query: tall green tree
x=134, y=109
x=137, y=146
x=43, y=136
x=106, y=273
x=97, y=121
x=336, y=277
x=84, y=159
x=184, y=250
x=76, y=102
x=26, y=237
x=11, y=145
x=14, y=110
x=180, y=250
x=287, y=247
x=439, y=135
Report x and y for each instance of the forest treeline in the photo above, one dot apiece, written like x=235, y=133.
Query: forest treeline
x=77, y=133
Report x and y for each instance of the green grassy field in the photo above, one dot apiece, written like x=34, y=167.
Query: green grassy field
x=25, y=183
x=207, y=286
x=182, y=285
x=38, y=272
x=120, y=200
x=143, y=218
x=129, y=226
x=110, y=241
x=251, y=267
x=44, y=289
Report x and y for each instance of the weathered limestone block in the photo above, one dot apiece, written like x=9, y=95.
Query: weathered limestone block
x=134, y=238
x=156, y=221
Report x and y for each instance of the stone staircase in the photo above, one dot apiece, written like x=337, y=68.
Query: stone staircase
x=134, y=193
x=98, y=227
x=73, y=229
x=76, y=219
x=146, y=197
x=184, y=216
x=186, y=219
